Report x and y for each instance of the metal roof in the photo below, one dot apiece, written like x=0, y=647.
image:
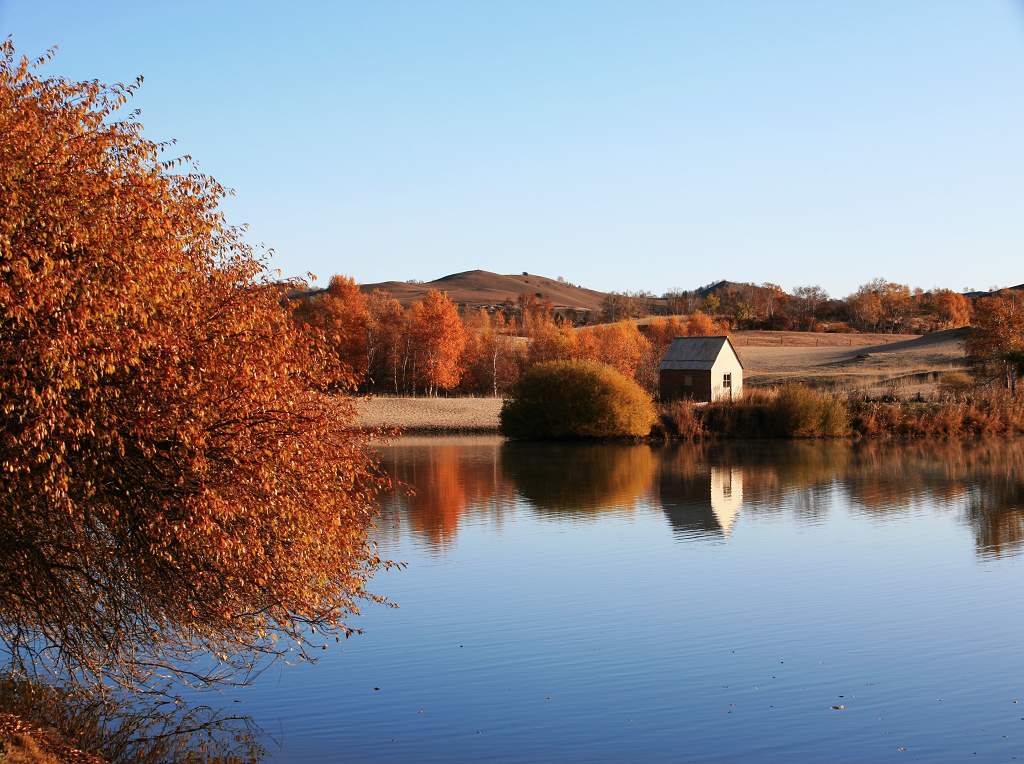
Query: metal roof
x=696, y=353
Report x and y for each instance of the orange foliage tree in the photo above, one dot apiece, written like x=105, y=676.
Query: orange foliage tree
x=340, y=313
x=619, y=345
x=173, y=477
x=996, y=343
x=490, y=359
x=551, y=341
x=661, y=331
x=700, y=325
x=385, y=341
x=951, y=308
x=438, y=337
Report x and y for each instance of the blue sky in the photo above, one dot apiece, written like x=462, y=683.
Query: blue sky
x=625, y=145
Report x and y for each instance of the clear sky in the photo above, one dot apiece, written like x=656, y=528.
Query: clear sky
x=623, y=145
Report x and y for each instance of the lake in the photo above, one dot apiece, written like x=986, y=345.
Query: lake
x=738, y=602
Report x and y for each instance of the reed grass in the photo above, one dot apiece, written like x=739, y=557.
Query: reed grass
x=797, y=411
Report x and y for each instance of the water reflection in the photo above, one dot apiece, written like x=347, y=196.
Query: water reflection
x=440, y=481
x=705, y=490
x=580, y=479
x=702, y=502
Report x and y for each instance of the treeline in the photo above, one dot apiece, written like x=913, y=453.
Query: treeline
x=429, y=347
x=877, y=306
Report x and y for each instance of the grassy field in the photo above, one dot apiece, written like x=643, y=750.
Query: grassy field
x=905, y=364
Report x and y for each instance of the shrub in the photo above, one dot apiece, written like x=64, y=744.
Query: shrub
x=787, y=412
x=798, y=411
x=680, y=420
x=979, y=414
x=576, y=399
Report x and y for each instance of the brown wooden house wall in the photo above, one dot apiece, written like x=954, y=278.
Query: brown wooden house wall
x=671, y=385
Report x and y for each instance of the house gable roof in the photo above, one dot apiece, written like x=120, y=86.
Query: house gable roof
x=696, y=353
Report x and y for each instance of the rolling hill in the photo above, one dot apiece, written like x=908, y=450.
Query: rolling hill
x=479, y=288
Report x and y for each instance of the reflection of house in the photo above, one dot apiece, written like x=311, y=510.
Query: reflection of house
x=700, y=368
x=702, y=503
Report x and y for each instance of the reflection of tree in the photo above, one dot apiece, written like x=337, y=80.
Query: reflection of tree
x=67, y=721
x=984, y=480
x=996, y=514
x=580, y=477
x=438, y=483
x=703, y=488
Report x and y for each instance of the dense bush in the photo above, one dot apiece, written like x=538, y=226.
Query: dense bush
x=576, y=399
x=798, y=411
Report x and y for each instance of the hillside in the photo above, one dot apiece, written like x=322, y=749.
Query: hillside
x=478, y=288
x=869, y=362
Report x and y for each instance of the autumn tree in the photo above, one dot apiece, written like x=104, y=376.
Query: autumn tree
x=491, y=360
x=769, y=298
x=882, y=304
x=865, y=309
x=340, y=313
x=661, y=331
x=437, y=338
x=552, y=341
x=700, y=325
x=712, y=304
x=807, y=301
x=173, y=477
x=951, y=309
x=996, y=343
x=385, y=341
x=619, y=345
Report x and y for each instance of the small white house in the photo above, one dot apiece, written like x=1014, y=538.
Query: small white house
x=701, y=369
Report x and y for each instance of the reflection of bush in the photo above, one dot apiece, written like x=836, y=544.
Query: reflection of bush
x=580, y=477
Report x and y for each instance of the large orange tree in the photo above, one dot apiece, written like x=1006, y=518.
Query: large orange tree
x=173, y=477
x=340, y=312
x=438, y=338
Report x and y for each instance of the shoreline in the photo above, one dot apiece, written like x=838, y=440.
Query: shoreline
x=895, y=421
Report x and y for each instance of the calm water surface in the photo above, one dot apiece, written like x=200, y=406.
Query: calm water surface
x=751, y=602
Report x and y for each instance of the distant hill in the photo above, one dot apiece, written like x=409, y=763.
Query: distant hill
x=723, y=286
x=479, y=288
x=975, y=295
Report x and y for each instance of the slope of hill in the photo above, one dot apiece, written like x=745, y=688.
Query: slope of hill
x=868, y=362
x=477, y=288
x=975, y=295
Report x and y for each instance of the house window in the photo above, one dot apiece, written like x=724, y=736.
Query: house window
x=727, y=380
x=688, y=380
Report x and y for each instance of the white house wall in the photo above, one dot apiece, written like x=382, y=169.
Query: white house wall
x=726, y=363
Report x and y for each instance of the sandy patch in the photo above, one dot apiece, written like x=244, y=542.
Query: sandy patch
x=427, y=415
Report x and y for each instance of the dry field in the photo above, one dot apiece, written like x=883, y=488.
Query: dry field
x=906, y=364
x=431, y=415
